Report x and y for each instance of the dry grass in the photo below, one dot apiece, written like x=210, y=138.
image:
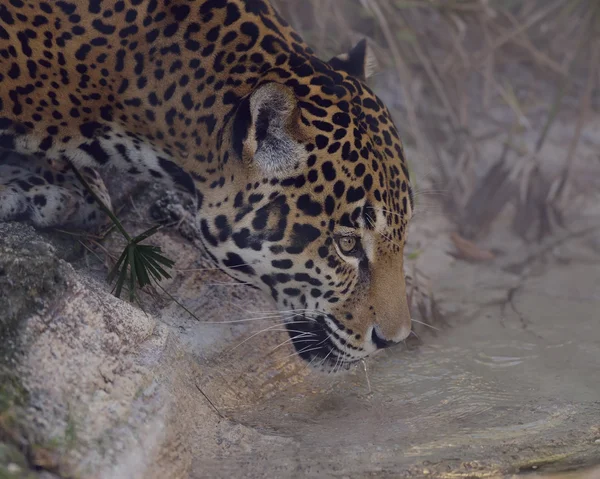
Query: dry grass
x=448, y=63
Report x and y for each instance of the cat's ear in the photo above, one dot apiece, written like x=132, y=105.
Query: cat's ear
x=267, y=130
x=359, y=62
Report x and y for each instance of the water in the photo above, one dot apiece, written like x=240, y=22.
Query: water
x=513, y=387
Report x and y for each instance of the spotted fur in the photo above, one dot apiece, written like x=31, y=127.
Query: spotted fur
x=292, y=160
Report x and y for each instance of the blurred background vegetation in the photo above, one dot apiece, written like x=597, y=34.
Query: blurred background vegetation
x=496, y=100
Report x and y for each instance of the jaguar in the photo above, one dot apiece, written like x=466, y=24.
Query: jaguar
x=296, y=168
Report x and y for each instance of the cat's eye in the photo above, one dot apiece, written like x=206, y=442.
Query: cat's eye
x=347, y=244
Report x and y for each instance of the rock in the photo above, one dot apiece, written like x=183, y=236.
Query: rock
x=90, y=384
x=31, y=279
x=71, y=360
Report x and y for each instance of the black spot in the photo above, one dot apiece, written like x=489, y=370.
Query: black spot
x=227, y=39
x=3, y=33
x=273, y=45
x=179, y=176
x=223, y=225
x=46, y=143
x=123, y=86
x=323, y=125
x=233, y=14
x=410, y=197
x=170, y=30
x=309, y=207
x=302, y=235
x=6, y=16
x=261, y=218
x=131, y=15
x=240, y=126
x=82, y=52
x=370, y=104
x=368, y=214
x=180, y=12
x=102, y=27
x=328, y=171
x=139, y=63
x=213, y=34
x=306, y=278
x=251, y=30
x=95, y=150
x=208, y=236
x=106, y=112
x=321, y=141
x=339, y=189
x=170, y=91
x=282, y=263
x=208, y=50
x=355, y=194
x=236, y=262
x=341, y=119
x=67, y=8
x=39, y=200
x=99, y=41
x=292, y=291
x=94, y=6
x=5, y=123
x=89, y=129
x=120, y=63
x=39, y=20
x=262, y=125
x=187, y=101
x=359, y=170
x=152, y=35
x=282, y=278
x=170, y=116
x=329, y=205
x=14, y=71
x=244, y=240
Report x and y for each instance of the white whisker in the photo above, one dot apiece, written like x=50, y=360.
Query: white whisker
x=325, y=358
x=262, y=318
x=271, y=310
x=336, y=363
x=425, y=324
x=292, y=339
x=270, y=328
x=382, y=234
x=268, y=315
x=366, y=375
x=215, y=268
x=311, y=361
x=305, y=350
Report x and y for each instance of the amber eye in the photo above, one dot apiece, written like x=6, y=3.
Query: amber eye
x=347, y=244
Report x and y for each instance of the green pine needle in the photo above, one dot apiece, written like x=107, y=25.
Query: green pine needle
x=138, y=264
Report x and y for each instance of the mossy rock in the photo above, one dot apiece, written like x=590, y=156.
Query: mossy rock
x=31, y=278
x=13, y=463
x=12, y=392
